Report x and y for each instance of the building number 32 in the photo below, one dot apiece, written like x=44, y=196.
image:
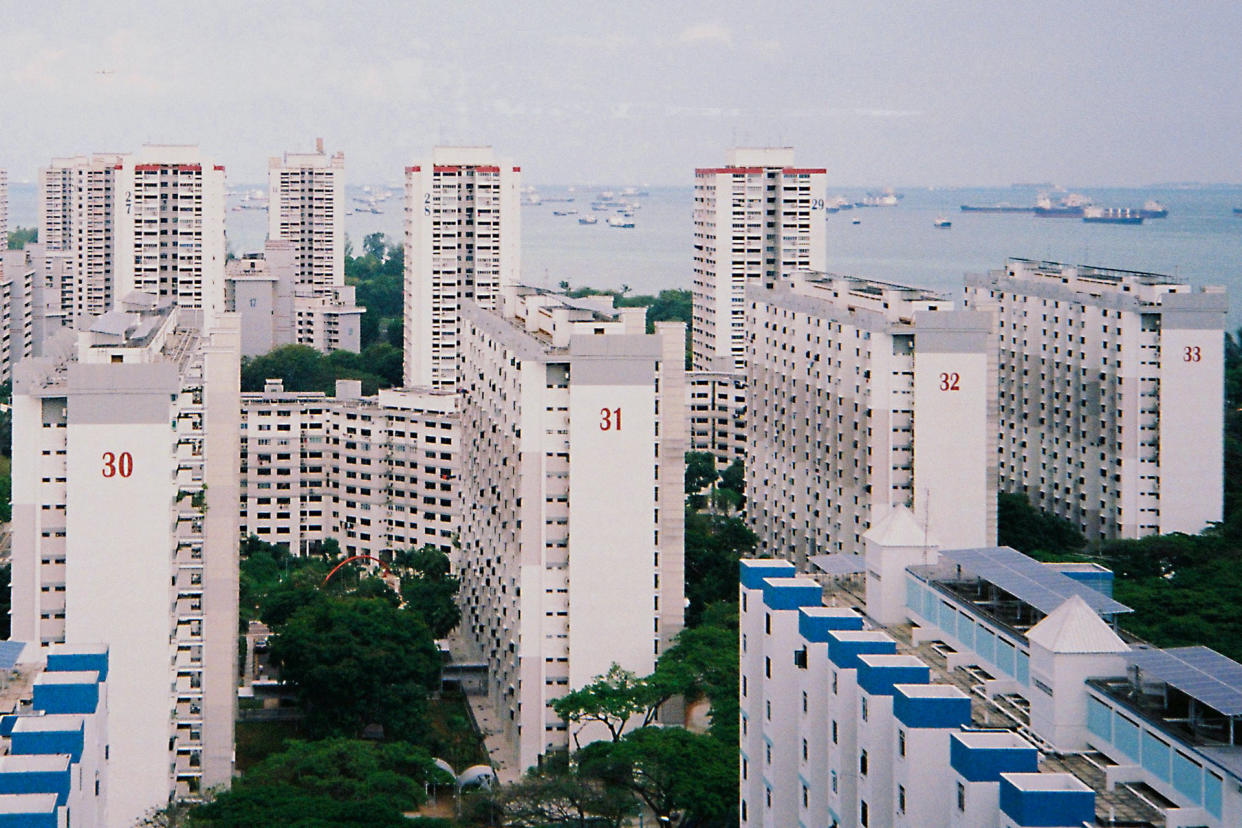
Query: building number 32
x=949, y=381
x=610, y=419
x=117, y=464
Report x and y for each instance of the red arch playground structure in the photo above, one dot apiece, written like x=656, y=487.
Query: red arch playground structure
x=352, y=559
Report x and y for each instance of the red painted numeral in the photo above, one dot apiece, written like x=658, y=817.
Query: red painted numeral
x=1192, y=353
x=949, y=382
x=117, y=464
x=609, y=419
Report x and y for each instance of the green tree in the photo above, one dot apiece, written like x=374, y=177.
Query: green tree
x=429, y=588
x=703, y=662
x=19, y=237
x=395, y=334
x=700, y=471
x=612, y=700
x=1032, y=532
x=713, y=546
x=357, y=662
x=562, y=797
x=673, y=771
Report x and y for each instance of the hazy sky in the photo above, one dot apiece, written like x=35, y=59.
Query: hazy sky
x=880, y=93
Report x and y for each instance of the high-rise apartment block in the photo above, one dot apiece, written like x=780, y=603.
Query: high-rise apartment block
x=375, y=473
x=573, y=435
x=756, y=219
x=76, y=202
x=462, y=242
x=865, y=395
x=306, y=206
x=4, y=206
x=125, y=470
x=1111, y=395
x=18, y=275
x=151, y=221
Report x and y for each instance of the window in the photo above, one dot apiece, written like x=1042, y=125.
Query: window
x=834, y=731
x=804, y=750
x=862, y=763
x=864, y=708
x=767, y=623
x=901, y=743
x=834, y=781
x=803, y=701
x=767, y=666
x=834, y=682
x=862, y=814
x=901, y=799
x=767, y=709
x=961, y=797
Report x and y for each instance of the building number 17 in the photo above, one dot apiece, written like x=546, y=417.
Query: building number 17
x=609, y=419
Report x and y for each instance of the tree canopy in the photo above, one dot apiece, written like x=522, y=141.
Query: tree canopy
x=714, y=544
x=305, y=369
x=357, y=662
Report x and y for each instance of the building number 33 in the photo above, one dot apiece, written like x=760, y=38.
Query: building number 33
x=117, y=465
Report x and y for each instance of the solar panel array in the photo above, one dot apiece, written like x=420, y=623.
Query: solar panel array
x=1028, y=580
x=840, y=564
x=1201, y=673
x=9, y=652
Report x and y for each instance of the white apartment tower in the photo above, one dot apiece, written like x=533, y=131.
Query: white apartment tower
x=462, y=242
x=4, y=206
x=151, y=221
x=76, y=203
x=863, y=396
x=306, y=206
x=756, y=219
x=1111, y=395
x=125, y=469
x=573, y=434
x=168, y=227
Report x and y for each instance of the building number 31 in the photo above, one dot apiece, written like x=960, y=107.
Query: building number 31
x=610, y=419
x=117, y=464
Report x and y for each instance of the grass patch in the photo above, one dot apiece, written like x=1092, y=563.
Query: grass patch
x=452, y=736
x=255, y=741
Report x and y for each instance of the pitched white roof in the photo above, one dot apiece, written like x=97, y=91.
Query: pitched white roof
x=900, y=528
x=1074, y=627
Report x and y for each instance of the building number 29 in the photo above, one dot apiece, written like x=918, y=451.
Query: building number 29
x=609, y=419
x=117, y=464
x=1192, y=353
x=949, y=381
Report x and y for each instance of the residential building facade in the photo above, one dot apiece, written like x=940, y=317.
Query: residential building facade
x=572, y=522
x=756, y=219
x=864, y=395
x=462, y=242
x=716, y=408
x=1111, y=395
x=125, y=469
x=306, y=206
x=375, y=473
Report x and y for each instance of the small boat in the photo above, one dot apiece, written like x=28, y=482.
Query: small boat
x=856, y=221
x=1237, y=211
x=623, y=223
x=564, y=212
x=588, y=220
x=1071, y=206
x=942, y=223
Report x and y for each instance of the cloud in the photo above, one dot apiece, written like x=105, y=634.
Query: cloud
x=707, y=33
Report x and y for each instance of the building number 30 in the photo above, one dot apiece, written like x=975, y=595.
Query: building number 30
x=118, y=464
x=609, y=419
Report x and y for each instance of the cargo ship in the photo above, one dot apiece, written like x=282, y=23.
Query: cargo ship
x=1071, y=206
x=1111, y=215
x=996, y=208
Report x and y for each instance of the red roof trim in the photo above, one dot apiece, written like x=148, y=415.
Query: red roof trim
x=146, y=167
x=189, y=168
x=413, y=169
x=218, y=167
x=445, y=168
x=487, y=169
x=517, y=169
x=804, y=171
x=728, y=170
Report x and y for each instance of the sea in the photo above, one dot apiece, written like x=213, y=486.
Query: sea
x=1200, y=241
